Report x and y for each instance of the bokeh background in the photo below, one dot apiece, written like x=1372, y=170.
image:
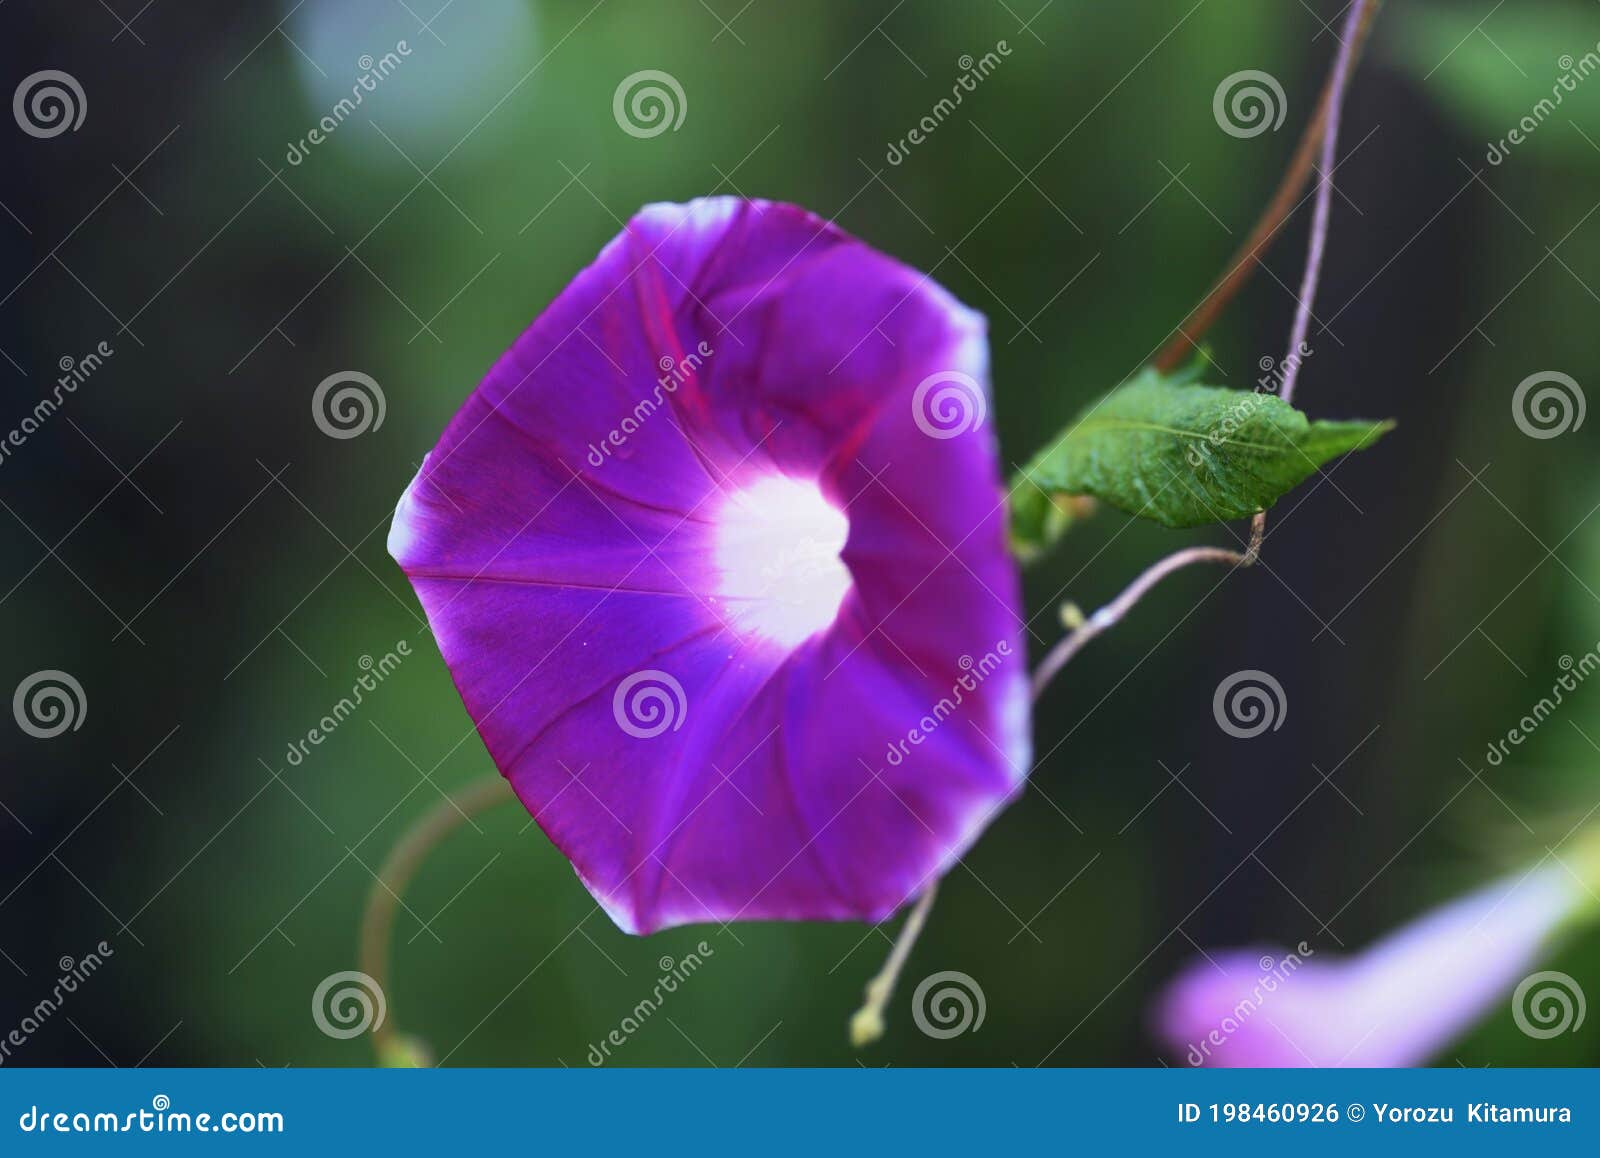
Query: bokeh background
x=184, y=540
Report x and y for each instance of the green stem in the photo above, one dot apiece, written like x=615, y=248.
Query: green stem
x=1111, y=614
x=866, y=1026
x=377, y=923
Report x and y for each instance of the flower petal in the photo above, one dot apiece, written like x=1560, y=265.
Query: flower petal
x=729, y=608
x=1396, y=1003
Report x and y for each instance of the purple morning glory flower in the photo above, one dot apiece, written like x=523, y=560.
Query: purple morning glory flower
x=716, y=556
x=1395, y=1004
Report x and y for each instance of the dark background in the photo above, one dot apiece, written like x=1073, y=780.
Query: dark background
x=184, y=541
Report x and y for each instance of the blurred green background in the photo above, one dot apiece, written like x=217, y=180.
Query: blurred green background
x=1414, y=605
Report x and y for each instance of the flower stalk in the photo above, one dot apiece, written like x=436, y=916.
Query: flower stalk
x=866, y=1026
x=394, y=1048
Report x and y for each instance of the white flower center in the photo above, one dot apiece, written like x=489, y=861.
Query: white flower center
x=777, y=553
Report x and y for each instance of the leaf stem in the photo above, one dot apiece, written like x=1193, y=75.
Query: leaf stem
x=1284, y=202
x=1111, y=614
x=377, y=923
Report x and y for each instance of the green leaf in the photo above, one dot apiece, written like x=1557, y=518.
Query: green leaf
x=1179, y=454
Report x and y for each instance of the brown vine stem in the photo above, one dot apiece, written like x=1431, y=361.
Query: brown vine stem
x=1284, y=202
x=377, y=923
